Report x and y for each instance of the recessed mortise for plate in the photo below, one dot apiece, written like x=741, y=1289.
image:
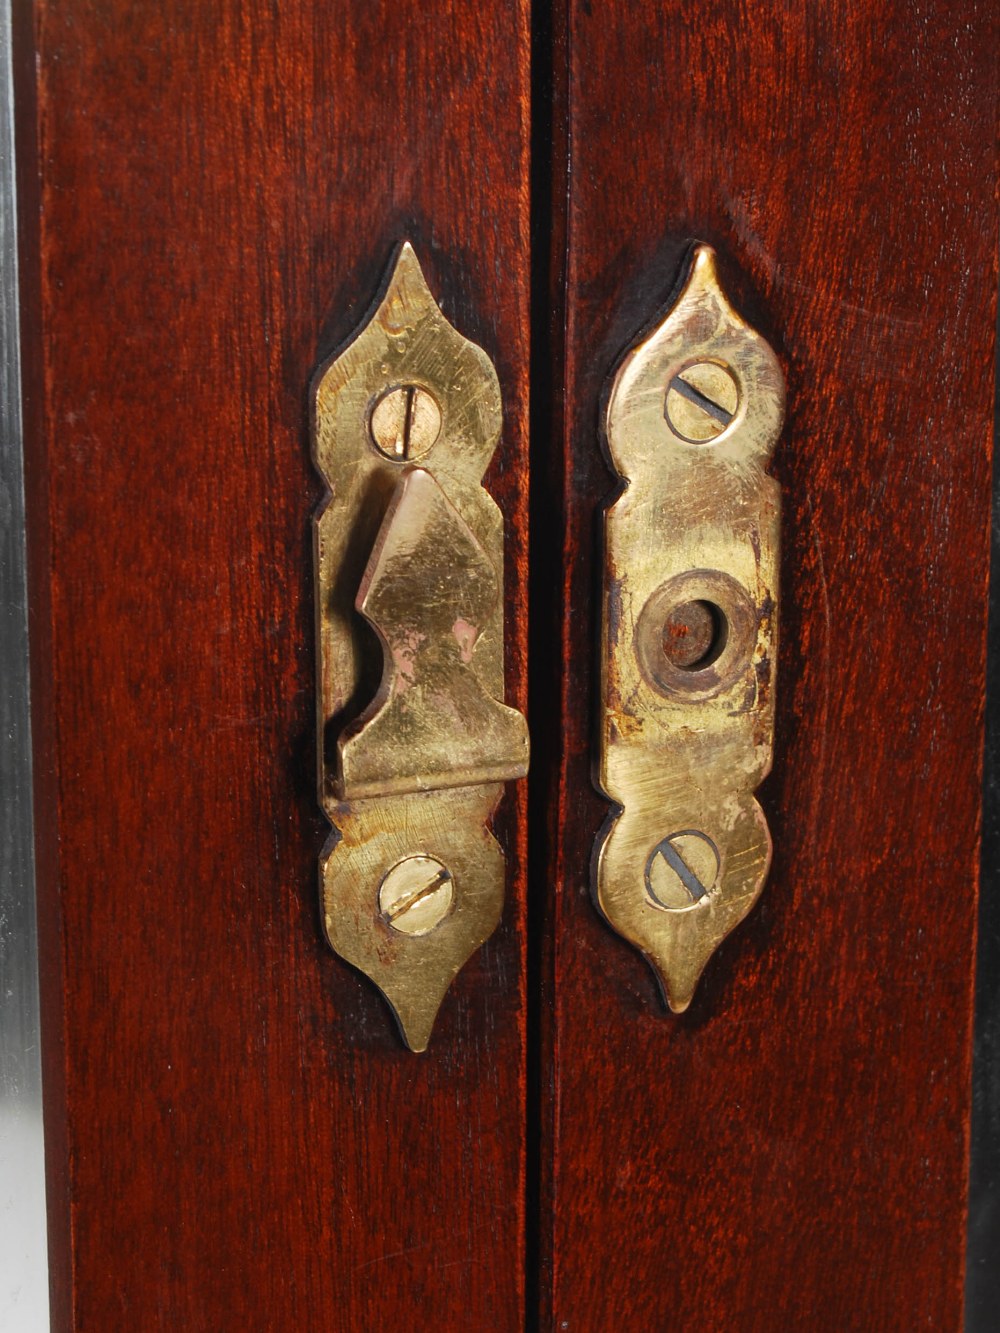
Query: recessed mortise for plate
x=690, y=633
x=414, y=739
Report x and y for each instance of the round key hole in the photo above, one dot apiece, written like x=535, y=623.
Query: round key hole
x=694, y=635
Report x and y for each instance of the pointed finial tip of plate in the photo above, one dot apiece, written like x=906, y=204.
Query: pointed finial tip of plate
x=704, y=267
x=407, y=259
x=678, y=990
x=407, y=280
x=416, y=1030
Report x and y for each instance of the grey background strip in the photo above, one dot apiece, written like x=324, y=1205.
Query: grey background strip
x=24, y=1302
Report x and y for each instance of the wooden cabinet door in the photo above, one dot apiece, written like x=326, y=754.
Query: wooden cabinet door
x=791, y=1153
x=210, y=195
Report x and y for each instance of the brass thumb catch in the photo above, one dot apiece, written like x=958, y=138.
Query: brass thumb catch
x=690, y=631
x=409, y=560
x=429, y=590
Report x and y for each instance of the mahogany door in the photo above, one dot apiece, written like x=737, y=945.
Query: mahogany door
x=791, y=1152
x=236, y=1138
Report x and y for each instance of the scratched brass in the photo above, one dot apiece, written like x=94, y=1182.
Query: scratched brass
x=415, y=741
x=693, y=416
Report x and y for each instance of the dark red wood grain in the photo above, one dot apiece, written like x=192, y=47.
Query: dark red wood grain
x=791, y=1153
x=237, y=1138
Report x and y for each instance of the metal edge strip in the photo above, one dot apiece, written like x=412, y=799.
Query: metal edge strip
x=982, y=1273
x=24, y=1278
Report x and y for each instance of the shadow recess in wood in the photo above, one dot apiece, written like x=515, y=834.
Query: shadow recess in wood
x=415, y=741
x=689, y=638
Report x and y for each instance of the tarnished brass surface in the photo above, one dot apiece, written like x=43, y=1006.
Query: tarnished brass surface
x=691, y=548
x=414, y=739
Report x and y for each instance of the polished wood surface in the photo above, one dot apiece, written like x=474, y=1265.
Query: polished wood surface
x=791, y=1153
x=211, y=196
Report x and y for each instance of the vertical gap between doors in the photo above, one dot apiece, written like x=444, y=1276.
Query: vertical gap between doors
x=549, y=176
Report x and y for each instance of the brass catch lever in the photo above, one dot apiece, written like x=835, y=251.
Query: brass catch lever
x=409, y=543
x=429, y=590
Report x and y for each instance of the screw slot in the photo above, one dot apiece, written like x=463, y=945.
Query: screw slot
x=682, y=870
x=702, y=400
x=416, y=895
x=405, y=422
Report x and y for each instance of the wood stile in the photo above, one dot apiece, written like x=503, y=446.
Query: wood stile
x=792, y=1152
x=212, y=198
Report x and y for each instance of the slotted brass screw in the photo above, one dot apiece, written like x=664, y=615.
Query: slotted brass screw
x=416, y=894
x=405, y=422
x=701, y=402
x=682, y=869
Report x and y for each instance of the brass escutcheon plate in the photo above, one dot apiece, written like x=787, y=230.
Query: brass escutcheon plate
x=690, y=633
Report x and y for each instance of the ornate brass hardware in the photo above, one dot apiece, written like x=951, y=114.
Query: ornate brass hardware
x=689, y=632
x=409, y=561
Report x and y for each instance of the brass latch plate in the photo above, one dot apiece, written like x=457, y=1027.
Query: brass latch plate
x=414, y=738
